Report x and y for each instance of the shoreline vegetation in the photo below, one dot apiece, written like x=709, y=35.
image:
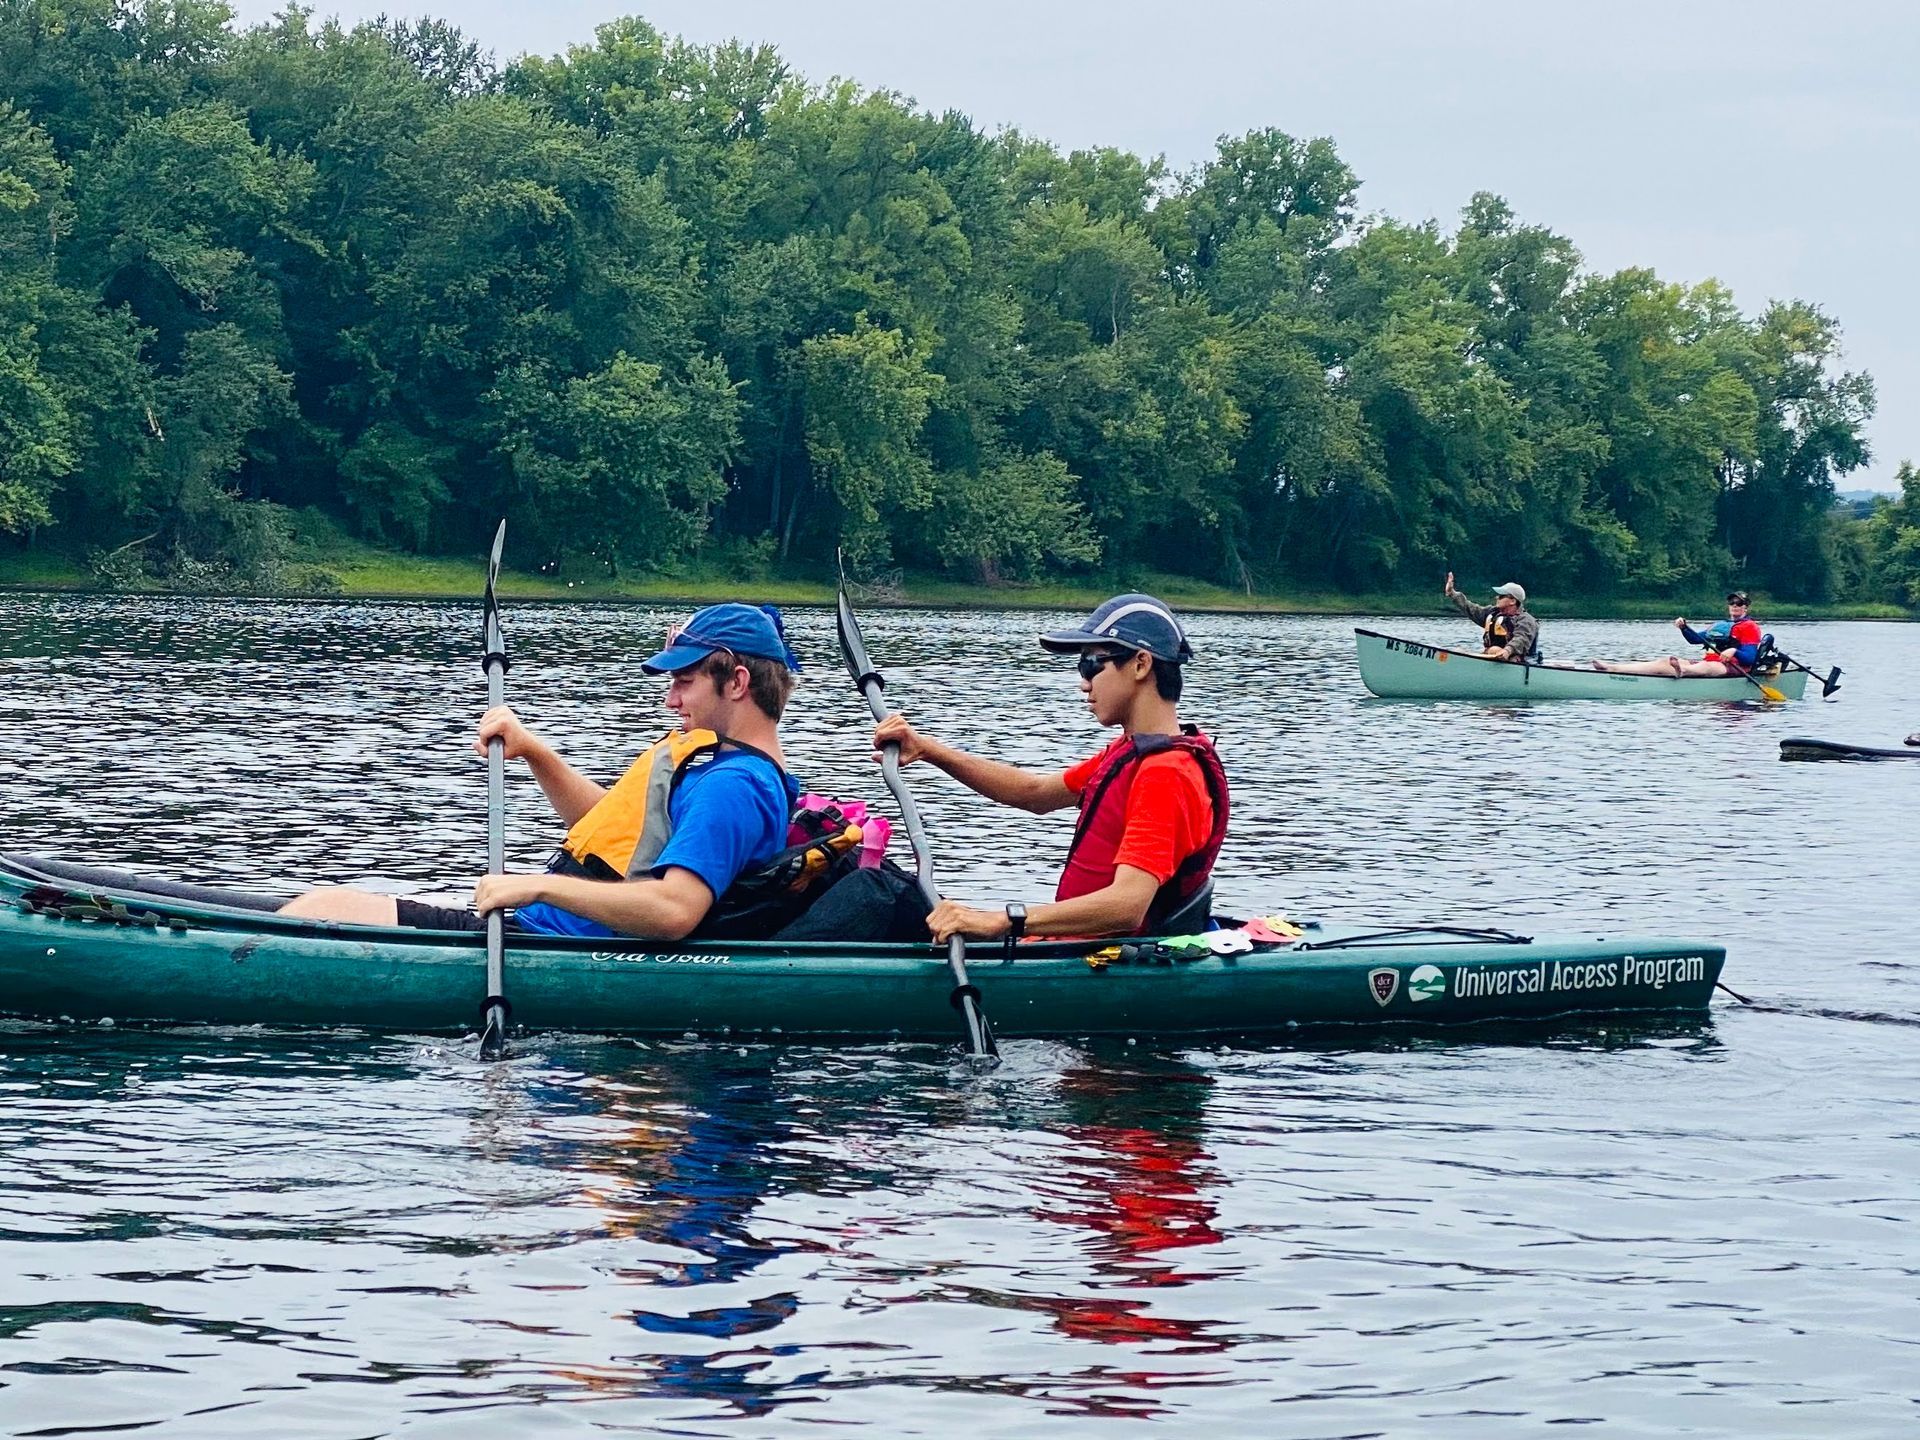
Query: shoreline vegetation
x=369, y=574
x=303, y=307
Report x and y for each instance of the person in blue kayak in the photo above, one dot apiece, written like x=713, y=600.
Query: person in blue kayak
x=1153, y=802
x=655, y=853
x=1507, y=631
x=1731, y=646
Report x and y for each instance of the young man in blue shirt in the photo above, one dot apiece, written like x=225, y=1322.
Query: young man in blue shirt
x=651, y=855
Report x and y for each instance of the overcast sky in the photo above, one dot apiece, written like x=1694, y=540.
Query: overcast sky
x=1774, y=146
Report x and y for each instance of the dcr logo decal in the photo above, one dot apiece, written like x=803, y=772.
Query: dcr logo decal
x=1384, y=983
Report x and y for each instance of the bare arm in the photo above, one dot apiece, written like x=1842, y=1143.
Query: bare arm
x=1120, y=909
x=569, y=792
x=998, y=781
x=667, y=908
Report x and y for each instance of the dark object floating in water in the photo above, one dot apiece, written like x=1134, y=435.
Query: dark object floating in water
x=1802, y=749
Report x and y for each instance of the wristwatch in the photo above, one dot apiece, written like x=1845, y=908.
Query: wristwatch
x=1016, y=920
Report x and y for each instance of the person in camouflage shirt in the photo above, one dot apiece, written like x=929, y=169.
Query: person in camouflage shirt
x=1507, y=631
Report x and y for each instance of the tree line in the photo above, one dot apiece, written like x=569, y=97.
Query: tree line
x=665, y=304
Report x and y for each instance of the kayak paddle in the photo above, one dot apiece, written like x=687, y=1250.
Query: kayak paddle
x=869, y=682
x=1765, y=689
x=493, y=659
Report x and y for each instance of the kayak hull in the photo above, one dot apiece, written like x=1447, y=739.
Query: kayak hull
x=167, y=960
x=1400, y=669
x=1800, y=748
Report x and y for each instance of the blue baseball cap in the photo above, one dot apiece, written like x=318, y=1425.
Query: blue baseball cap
x=744, y=629
x=1137, y=622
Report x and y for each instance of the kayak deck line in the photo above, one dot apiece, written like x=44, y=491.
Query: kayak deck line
x=1465, y=934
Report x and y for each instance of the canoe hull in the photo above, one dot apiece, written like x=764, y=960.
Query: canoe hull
x=1400, y=669
x=238, y=968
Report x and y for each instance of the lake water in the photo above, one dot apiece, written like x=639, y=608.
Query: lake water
x=1708, y=1228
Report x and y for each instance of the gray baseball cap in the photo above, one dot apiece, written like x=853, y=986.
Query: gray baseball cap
x=1137, y=622
x=1518, y=592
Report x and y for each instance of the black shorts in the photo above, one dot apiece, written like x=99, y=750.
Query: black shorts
x=419, y=915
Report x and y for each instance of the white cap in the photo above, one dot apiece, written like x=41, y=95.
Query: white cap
x=1518, y=592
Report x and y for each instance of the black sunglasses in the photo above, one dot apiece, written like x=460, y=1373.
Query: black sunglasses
x=1092, y=662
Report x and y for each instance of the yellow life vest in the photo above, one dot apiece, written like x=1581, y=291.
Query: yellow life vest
x=629, y=826
x=1497, y=630
x=622, y=836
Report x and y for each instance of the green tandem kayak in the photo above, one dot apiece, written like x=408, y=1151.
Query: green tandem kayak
x=78, y=943
x=1410, y=670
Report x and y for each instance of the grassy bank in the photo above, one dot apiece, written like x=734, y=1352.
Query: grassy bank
x=367, y=573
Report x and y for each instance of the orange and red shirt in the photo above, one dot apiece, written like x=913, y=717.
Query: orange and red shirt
x=1169, y=814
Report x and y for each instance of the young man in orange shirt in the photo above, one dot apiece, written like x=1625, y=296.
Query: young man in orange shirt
x=1153, y=803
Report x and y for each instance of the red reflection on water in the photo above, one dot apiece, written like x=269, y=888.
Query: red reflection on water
x=1149, y=1198
x=1142, y=1192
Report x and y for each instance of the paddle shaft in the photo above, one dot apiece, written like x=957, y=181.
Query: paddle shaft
x=495, y=1016
x=890, y=772
x=494, y=1008
x=979, y=1035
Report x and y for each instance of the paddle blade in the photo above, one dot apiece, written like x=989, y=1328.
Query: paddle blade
x=1768, y=691
x=493, y=560
x=982, y=1048
x=1831, y=683
x=853, y=648
x=493, y=649
x=493, y=1030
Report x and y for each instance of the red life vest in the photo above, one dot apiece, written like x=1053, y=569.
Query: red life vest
x=1103, y=821
x=1743, y=637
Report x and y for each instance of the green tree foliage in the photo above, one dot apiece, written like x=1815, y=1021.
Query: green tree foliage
x=1885, y=548
x=622, y=463
x=37, y=447
x=866, y=396
x=1016, y=518
x=658, y=301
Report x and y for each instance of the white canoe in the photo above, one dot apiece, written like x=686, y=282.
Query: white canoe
x=1409, y=670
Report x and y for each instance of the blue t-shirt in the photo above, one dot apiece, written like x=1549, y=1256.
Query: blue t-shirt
x=728, y=816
